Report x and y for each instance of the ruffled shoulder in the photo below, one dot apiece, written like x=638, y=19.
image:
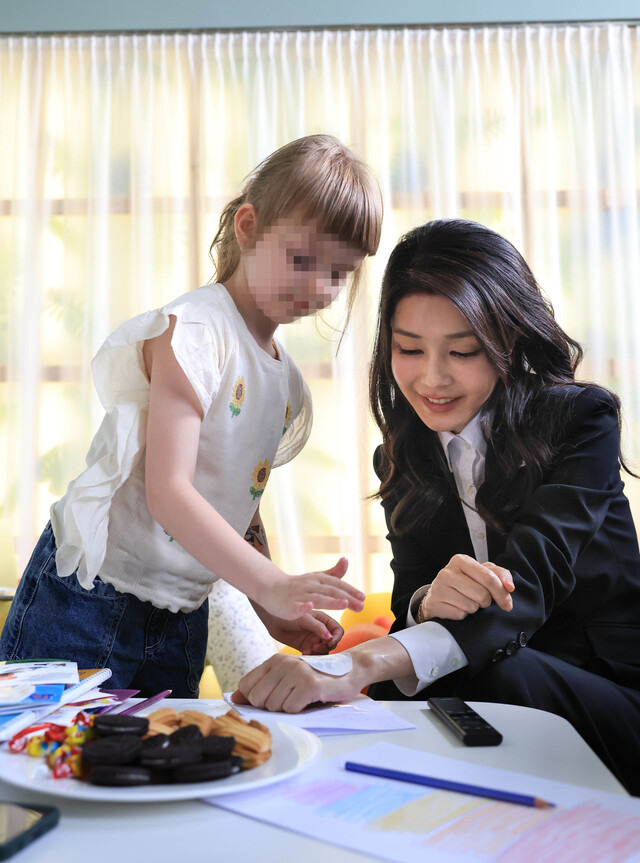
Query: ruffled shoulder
x=198, y=343
x=80, y=519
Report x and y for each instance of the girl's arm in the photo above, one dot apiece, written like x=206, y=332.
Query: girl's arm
x=312, y=633
x=173, y=432
x=256, y=536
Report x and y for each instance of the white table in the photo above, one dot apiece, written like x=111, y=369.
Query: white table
x=193, y=832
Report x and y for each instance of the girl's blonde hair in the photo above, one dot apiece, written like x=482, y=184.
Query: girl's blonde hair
x=313, y=178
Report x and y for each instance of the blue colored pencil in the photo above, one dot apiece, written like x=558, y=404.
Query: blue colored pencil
x=449, y=785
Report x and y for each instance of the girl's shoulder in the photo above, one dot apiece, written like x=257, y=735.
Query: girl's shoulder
x=209, y=302
x=208, y=316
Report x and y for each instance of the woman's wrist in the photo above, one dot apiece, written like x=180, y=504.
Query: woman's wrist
x=418, y=605
x=423, y=613
x=380, y=659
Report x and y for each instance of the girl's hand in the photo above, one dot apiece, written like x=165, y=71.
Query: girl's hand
x=464, y=586
x=313, y=633
x=288, y=683
x=291, y=597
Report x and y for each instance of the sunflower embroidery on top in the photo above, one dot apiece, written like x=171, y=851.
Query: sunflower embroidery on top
x=259, y=479
x=237, y=396
x=287, y=417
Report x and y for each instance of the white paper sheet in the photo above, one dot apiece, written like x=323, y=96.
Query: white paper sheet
x=402, y=822
x=37, y=671
x=362, y=715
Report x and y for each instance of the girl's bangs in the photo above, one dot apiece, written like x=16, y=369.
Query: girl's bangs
x=347, y=211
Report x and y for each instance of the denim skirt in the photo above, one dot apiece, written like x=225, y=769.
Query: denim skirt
x=146, y=648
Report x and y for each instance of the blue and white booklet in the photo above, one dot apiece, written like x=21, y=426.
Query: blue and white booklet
x=40, y=695
x=25, y=696
x=34, y=684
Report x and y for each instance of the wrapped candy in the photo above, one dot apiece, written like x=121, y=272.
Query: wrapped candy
x=59, y=754
x=38, y=746
x=78, y=734
x=55, y=732
x=66, y=762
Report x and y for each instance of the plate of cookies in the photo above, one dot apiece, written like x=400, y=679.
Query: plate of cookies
x=166, y=756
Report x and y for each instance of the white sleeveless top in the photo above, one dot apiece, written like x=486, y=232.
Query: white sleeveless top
x=256, y=415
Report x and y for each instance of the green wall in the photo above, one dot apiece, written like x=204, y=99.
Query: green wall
x=76, y=15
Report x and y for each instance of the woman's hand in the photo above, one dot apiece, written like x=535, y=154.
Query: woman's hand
x=464, y=586
x=290, y=597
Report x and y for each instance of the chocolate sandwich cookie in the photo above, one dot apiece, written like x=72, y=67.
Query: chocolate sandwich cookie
x=158, y=741
x=204, y=771
x=118, y=749
x=115, y=723
x=217, y=748
x=186, y=734
x=174, y=755
x=119, y=775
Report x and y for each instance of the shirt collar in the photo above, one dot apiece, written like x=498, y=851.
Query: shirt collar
x=471, y=433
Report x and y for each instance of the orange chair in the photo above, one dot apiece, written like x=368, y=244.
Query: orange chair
x=377, y=610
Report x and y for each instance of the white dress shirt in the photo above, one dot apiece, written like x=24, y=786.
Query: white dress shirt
x=433, y=650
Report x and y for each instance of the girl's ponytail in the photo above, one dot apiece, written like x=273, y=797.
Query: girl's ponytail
x=224, y=250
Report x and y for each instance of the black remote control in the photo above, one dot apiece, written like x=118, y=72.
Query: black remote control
x=465, y=723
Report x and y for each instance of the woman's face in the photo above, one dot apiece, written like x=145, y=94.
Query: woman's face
x=438, y=363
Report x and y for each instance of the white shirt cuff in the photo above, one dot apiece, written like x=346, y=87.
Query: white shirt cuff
x=411, y=621
x=434, y=653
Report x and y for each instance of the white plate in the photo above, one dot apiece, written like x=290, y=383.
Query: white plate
x=293, y=749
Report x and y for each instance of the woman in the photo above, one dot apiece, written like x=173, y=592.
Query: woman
x=500, y=480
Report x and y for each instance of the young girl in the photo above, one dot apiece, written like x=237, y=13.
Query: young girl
x=201, y=403
x=516, y=562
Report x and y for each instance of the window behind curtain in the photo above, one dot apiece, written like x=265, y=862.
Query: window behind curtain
x=119, y=151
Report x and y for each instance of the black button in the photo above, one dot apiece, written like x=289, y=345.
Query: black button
x=511, y=648
x=522, y=639
x=499, y=654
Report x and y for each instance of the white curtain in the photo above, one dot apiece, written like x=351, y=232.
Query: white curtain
x=118, y=152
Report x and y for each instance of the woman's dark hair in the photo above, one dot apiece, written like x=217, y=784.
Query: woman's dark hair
x=489, y=282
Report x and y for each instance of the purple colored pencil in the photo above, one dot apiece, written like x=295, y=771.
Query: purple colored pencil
x=146, y=703
x=136, y=707
x=121, y=694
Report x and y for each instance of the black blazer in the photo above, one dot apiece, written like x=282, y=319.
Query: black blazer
x=572, y=552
